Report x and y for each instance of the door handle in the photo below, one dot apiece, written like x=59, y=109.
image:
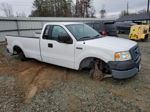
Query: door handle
x=80, y=48
x=50, y=45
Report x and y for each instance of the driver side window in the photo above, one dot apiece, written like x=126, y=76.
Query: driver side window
x=58, y=31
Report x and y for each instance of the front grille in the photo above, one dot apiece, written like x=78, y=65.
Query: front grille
x=135, y=52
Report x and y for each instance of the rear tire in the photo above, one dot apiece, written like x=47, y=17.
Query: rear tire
x=22, y=56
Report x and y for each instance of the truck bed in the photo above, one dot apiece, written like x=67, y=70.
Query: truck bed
x=29, y=45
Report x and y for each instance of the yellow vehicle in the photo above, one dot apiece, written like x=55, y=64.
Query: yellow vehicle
x=139, y=32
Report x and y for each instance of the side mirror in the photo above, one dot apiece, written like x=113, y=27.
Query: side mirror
x=65, y=39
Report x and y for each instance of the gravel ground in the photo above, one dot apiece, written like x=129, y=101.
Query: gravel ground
x=34, y=86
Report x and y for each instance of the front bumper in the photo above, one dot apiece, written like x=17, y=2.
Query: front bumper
x=124, y=74
x=125, y=69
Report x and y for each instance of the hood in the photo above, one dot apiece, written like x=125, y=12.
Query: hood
x=113, y=43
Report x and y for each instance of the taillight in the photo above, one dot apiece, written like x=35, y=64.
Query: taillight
x=104, y=33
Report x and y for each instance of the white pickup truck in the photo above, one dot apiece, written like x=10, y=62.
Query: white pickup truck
x=76, y=46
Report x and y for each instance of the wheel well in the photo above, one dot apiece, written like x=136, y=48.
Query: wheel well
x=17, y=50
x=88, y=63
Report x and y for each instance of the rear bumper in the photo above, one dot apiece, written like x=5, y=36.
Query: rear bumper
x=125, y=69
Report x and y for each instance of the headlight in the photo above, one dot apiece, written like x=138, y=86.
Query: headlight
x=122, y=56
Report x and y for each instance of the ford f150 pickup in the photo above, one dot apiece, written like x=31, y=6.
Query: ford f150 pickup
x=76, y=46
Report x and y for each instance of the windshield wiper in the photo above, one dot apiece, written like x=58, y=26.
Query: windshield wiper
x=96, y=35
x=87, y=37
x=84, y=38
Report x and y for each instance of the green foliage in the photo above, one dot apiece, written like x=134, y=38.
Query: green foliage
x=62, y=8
x=51, y=8
x=83, y=8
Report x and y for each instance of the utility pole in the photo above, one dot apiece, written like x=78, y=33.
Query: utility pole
x=127, y=8
x=148, y=10
x=148, y=6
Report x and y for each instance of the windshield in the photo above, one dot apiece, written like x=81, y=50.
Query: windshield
x=83, y=32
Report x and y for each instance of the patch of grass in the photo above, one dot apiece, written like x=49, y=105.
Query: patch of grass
x=1, y=43
x=1, y=47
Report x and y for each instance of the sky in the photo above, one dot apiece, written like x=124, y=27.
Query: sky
x=113, y=7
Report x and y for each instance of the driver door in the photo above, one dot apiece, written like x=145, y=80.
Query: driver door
x=55, y=52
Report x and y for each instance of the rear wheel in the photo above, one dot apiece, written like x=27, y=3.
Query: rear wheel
x=18, y=51
x=22, y=56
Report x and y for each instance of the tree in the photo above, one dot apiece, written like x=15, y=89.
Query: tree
x=52, y=8
x=103, y=12
x=20, y=14
x=92, y=12
x=71, y=8
x=39, y=8
x=7, y=9
x=83, y=8
x=62, y=8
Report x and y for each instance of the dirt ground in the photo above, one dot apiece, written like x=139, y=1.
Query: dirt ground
x=33, y=86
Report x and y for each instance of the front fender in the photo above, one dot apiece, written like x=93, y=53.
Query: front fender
x=104, y=57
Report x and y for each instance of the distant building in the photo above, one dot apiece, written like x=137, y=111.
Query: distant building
x=143, y=17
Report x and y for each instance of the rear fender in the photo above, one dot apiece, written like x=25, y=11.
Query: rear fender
x=16, y=43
